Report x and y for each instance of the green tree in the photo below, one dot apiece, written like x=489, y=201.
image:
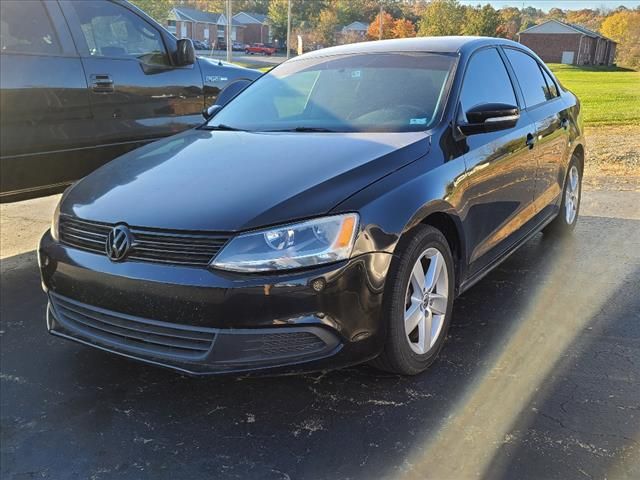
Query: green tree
x=442, y=17
x=483, y=21
x=217, y=6
x=278, y=18
x=257, y=6
x=156, y=9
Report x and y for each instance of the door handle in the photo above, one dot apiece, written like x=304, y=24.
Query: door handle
x=531, y=140
x=102, y=83
x=564, y=123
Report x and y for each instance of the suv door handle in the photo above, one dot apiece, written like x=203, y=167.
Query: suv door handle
x=564, y=123
x=102, y=83
x=531, y=141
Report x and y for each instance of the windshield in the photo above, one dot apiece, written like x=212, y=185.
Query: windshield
x=389, y=92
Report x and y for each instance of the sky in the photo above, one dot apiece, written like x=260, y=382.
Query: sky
x=563, y=4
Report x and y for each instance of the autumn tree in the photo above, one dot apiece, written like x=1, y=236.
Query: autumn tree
x=510, y=22
x=624, y=27
x=403, y=28
x=482, y=21
x=442, y=17
x=388, y=24
x=586, y=17
x=326, y=26
x=556, y=13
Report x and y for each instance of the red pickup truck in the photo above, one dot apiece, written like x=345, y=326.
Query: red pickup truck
x=259, y=48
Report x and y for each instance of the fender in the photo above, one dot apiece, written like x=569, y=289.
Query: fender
x=404, y=199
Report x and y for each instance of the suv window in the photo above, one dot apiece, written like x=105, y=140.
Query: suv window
x=552, y=91
x=529, y=75
x=486, y=81
x=113, y=31
x=25, y=27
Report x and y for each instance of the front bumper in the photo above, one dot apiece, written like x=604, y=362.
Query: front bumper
x=202, y=321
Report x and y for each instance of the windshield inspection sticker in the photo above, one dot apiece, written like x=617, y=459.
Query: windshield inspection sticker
x=418, y=121
x=355, y=74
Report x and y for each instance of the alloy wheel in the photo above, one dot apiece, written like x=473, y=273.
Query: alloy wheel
x=426, y=301
x=572, y=195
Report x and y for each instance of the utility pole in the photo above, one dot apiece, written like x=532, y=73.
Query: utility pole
x=288, y=25
x=229, y=27
x=380, y=23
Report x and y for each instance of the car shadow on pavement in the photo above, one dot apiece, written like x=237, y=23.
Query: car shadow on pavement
x=522, y=389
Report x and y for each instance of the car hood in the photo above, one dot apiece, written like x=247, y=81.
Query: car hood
x=232, y=181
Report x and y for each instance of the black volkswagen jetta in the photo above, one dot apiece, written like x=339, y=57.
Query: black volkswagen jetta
x=328, y=215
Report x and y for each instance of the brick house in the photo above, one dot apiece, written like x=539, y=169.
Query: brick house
x=207, y=27
x=558, y=42
x=256, y=27
x=354, y=32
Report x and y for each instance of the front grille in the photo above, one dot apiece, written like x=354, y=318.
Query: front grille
x=148, y=245
x=132, y=333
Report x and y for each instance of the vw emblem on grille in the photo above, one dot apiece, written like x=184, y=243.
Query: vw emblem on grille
x=118, y=242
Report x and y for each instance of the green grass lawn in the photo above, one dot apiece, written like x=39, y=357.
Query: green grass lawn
x=255, y=66
x=609, y=95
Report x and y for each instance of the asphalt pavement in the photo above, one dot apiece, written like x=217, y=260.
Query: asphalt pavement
x=540, y=378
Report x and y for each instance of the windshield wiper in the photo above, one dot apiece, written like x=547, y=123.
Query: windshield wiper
x=304, y=129
x=222, y=126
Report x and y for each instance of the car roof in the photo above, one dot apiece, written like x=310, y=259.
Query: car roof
x=457, y=44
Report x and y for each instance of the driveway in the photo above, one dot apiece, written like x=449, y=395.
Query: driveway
x=540, y=378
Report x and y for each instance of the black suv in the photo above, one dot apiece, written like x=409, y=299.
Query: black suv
x=84, y=82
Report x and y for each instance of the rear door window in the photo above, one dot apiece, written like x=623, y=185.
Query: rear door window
x=25, y=27
x=534, y=87
x=552, y=91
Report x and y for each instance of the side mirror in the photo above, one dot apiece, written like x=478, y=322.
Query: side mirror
x=209, y=112
x=489, y=117
x=231, y=90
x=186, y=54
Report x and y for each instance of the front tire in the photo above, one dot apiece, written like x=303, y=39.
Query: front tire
x=567, y=218
x=418, y=302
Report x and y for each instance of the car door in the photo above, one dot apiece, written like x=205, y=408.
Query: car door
x=137, y=94
x=44, y=104
x=550, y=114
x=500, y=178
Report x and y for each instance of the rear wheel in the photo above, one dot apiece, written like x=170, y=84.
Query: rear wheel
x=418, y=302
x=567, y=218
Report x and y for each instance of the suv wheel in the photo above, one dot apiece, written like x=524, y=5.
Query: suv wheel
x=418, y=302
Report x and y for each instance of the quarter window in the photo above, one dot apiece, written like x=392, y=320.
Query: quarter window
x=534, y=87
x=113, y=31
x=552, y=91
x=486, y=81
x=25, y=27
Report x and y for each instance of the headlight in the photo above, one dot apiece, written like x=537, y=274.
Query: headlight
x=55, y=222
x=298, y=245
